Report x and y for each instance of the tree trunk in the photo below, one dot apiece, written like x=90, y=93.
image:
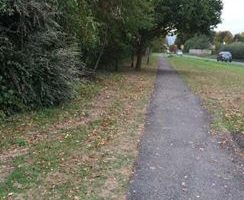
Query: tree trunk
x=148, y=55
x=116, y=64
x=132, y=60
x=98, y=59
x=139, y=58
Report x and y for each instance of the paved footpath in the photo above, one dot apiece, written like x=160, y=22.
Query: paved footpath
x=179, y=159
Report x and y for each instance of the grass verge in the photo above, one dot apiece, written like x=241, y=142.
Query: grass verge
x=221, y=86
x=84, y=149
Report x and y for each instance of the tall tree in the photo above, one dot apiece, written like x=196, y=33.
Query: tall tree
x=182, y=16
x=239, y=37
x=223, y=37
x=120, y=21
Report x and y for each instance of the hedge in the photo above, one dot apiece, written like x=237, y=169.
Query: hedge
x=236, y=48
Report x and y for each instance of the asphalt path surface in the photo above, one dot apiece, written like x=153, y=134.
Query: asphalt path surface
x=179, y=159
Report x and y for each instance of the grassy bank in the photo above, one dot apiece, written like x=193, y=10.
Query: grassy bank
x=220, y=85
x=84, y=149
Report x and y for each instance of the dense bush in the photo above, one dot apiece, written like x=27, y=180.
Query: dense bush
x=197, y=42
x=44, y=42
x=236, y=48
x=37, y=63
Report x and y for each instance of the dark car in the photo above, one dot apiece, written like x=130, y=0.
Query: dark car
x=224, y=56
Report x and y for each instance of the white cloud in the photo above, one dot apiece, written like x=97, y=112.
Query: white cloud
x=232, y=16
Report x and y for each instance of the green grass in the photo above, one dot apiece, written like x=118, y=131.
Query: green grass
x=12, y=130
x=220, y=85
x=67, y=159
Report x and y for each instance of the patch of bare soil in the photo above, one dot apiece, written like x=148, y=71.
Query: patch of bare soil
x=13, y=153
x=5, y=170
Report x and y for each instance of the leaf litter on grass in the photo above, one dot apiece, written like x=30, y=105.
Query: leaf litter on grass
x=91, y=155
x=221, y=87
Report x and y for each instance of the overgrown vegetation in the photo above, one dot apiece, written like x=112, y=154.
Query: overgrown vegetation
x=37, y=59
x=46, y=44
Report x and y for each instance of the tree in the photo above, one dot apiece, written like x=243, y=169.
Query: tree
x=183, y=16
x=197, y=42
x=182, y=38
x=43, y=42
x=158, y=44
x=121, y=21
x=223, y=37
x=239, y=37
x=236, y=48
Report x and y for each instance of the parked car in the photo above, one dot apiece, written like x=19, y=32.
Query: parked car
x=224, y=56
x=179, y=53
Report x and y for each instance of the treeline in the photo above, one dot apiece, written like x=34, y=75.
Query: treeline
x=46, y=44
x=225, y=41
x=215, y=41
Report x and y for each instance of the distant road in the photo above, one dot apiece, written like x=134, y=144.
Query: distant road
x=210, y=59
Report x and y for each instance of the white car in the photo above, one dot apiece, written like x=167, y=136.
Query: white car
x=179, y=53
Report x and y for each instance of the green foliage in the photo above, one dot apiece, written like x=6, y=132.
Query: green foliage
x=239, y=37
x=236, y=48
x=119, y=22
x=223, y=37
x=43, y=42
x=158, y=45
x=185, y=17
x=194, y=16
x=197, y=42
x=37, y=63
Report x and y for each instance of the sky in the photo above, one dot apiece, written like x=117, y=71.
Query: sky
x=232, y=16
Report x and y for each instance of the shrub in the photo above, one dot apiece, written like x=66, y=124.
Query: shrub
x=37, y=62
x=197, y=42
x=236, y=48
